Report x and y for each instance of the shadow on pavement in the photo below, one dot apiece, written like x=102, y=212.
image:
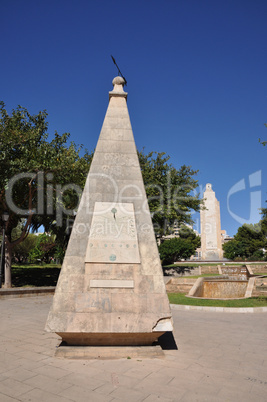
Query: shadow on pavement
x=167, y=341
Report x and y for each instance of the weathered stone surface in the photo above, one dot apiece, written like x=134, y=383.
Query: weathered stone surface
x=111, y=283
x=211, y=288
x=113, y=339
x=111, y=289
x=211, y=243
x=110, y=352
x=113, y=236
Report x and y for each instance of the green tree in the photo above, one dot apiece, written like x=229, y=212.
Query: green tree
x=171, y=193
x=175, y=249
x=247, y=243
x=187, y=233
x=263, y=221
x=22, y=250
x=44, y=249
x=232, y=249
x=34, y=175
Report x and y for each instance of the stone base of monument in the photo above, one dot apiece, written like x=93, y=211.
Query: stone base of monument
x=109, y=352
x=109, y=339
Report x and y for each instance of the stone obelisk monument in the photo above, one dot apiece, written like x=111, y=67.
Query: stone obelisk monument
x=211, y=243
x=111, y=289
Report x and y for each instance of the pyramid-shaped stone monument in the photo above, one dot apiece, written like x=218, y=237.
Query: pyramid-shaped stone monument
x=111, y=289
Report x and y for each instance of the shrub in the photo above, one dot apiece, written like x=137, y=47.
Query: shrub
x=175, y=249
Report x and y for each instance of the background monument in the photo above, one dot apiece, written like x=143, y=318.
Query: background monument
x=210, y=221
x=111, y=289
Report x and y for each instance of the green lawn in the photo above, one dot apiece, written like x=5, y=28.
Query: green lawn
x=198, y=276
x=191, y=265
x=35, y=275
x=180, y=298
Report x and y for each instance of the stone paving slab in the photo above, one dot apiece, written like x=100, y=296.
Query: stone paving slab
x=220, y=357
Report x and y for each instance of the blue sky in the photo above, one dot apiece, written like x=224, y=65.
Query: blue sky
x=196, y=72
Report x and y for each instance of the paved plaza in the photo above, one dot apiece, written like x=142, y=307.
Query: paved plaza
x=220, y=357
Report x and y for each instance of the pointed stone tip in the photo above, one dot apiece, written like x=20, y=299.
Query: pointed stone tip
x=118, y=84
x=118, y=81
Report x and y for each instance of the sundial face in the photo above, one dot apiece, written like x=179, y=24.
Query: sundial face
x=113, y=236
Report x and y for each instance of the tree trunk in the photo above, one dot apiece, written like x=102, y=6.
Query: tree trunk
x=8, y=281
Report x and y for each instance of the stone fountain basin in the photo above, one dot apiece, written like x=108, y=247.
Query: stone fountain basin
x=221, y=288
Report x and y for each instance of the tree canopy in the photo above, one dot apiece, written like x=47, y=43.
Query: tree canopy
x=187, y=233
x=175, y=249
x=22, y=250
x=39, y=178
x=171, y=193
x=248, y=243
x=264, y=221
x=179, y=248
x=44, y=249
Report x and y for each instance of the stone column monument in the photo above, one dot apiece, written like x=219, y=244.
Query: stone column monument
x=210, y=221
x=111, y=289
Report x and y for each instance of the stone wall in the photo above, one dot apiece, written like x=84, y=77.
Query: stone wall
x=197, y=288
x=260, y=287
x=235, y=271
x=224, y=289
x=209, y=269
x=181, y=271
x=218, y=289
x=180, y=285
x=257, y=268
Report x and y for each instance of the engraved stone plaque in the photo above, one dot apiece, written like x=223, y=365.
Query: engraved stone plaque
x=113, y=236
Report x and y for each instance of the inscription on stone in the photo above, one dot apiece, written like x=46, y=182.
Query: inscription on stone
x=113, y=236
x=92, y=303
